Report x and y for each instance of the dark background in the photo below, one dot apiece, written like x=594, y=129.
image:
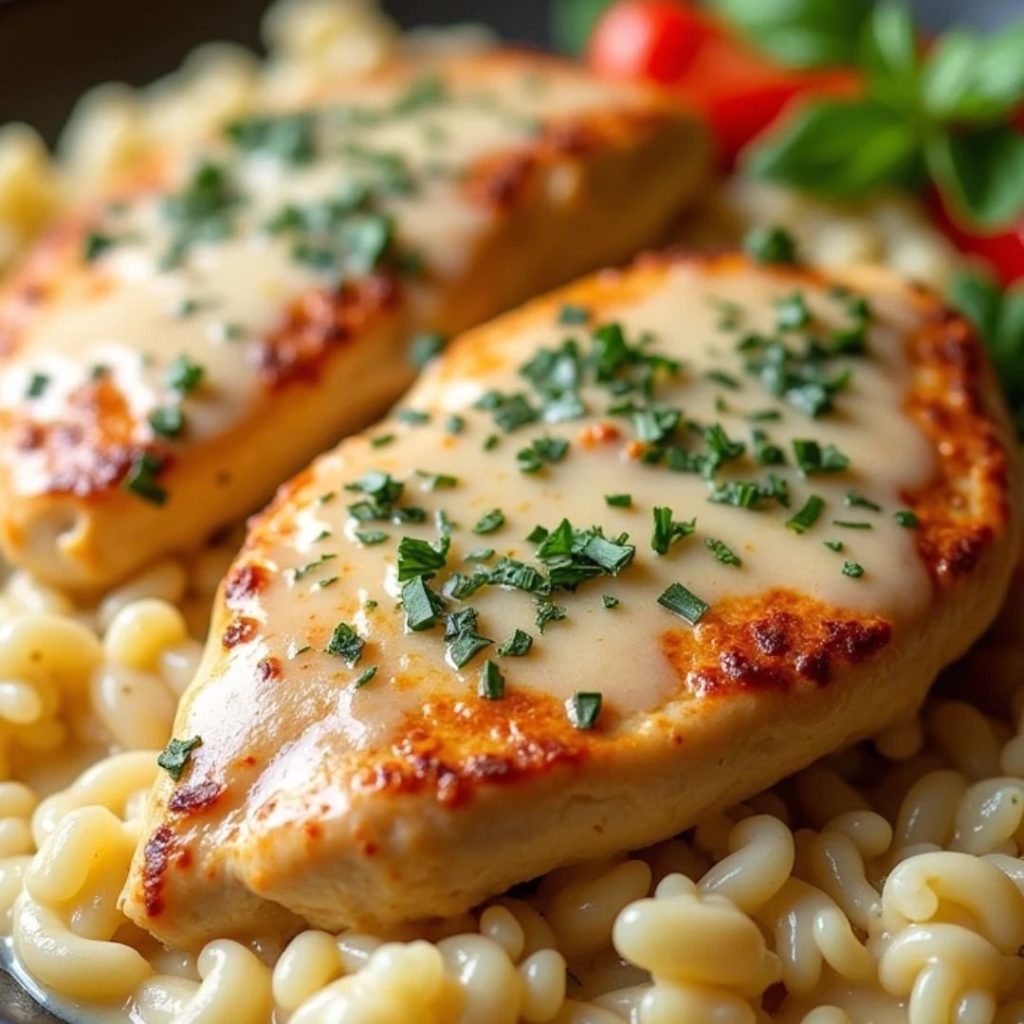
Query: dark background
x=51, y=50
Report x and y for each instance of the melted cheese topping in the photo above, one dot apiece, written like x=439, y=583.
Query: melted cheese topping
x=409, y=140
x=320, y=573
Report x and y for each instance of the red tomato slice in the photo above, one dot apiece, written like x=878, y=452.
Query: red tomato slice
x=1003, y=251
x=653, y=39
x=739, y=91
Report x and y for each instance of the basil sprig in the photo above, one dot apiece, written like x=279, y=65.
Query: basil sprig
x=939, y=116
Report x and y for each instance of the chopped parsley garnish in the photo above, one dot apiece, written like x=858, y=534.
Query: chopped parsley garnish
x=618, y=500
x=479, y=555
x=792, y=312
x=852, y=524
x=365, y=676
x=455, y=424
x=722, y=551
x=429, y=90
x=770, y=245
x=421, y=604
x=727, y=380
x=812, y=459
x=834, y=545
x=462, y=638
x=96, y=244
x=369, y=537
x=381, y=440
x=583, y=709
x=326, y=582
x=183, y=375
x=764, y=416
x=517, y=645
x=413, y=417
x=418, y=557
x=346, y=644
x=302, y=571
x=492, y=682
x=176, y=755
x=543, y=449
x=548, y=612
x=738, y=493
x=201, y=212
x=382, y=496
x=510, y=412
x=436, y=481
x=38, y=383
x=289, y=138
x=489, y=523
x=855, y=500
x=573, y=556
x=906, y=518
x=667, y=531
x=802, y=520
x=425, y=347
x=537, y=534
x=510, y=572
x=570, y=314
x=490, y=441
x=683, y=602
x=766, y=453
x=141, y=478
x=609, y=601
x=853, y=569
x=167, y=421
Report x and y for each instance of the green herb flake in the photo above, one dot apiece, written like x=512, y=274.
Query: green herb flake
x=834, y=545
x=619, y=500
x=492, y=683
x=802, y=520
x=365, y=676
x=455, y=424
x=167, y=421
x=855, y=500
x=436, y=481
x=907, y=519
x=853, y=524
x=791, y=312
x=381, y=440
x=667, y=531
x=517, y=645
x=413, y=417
x=726, y=380
x=421, y=605
x=346, y=644
x=770, y=245
x=812, y=459
x=683, y=602
x=609, y=601
x=370, y=537
x=491, y=441
x=583, y=709
x=489, y=523
x=176, y=755
x=141, y=478
x=426, y=347
x=571, y=314
x=548, y=612
x=417, y=557
x=722, y=552
x=37, y=385
x=853, y=569
x=96, y=244
x=184, y=376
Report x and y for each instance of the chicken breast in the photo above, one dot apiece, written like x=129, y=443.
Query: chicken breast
x=633, y=552
x=172, y=354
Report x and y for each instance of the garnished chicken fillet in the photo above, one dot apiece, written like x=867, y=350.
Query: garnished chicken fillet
x=635, y=551
x=172, y=354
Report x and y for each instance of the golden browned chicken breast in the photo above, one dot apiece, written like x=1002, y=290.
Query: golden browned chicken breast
x=635, y=551
x=171, y=355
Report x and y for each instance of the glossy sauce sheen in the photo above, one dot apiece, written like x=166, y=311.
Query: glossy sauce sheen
x=614, y=650
x=122, y=311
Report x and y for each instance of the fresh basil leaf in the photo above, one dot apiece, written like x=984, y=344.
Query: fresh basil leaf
x=981, y=172
x=839, y=148
x=999, y=319
x=800, y=33
x=572, y=22
x=889, y=54
x=970, y=78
